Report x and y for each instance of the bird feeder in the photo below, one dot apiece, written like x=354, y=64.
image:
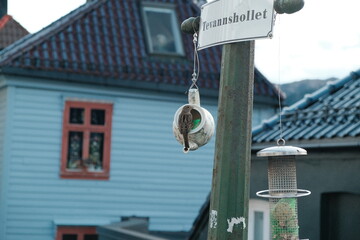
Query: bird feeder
x=283, y=191
x=203, y=122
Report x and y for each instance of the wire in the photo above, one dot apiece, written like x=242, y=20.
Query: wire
x=281, y=139
x=196, y=70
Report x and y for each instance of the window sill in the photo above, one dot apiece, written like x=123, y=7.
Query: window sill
x=85, y=175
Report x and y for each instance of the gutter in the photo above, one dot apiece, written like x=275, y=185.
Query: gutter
x=315, y=143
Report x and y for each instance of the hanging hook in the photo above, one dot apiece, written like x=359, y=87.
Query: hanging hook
x=281, y=142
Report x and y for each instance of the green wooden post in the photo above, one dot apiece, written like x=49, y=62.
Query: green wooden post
x=231, y=174
x=229, y=203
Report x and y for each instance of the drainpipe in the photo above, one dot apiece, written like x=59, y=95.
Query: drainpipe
x=3, y=8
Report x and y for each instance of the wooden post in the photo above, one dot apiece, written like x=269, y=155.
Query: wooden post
x=229, y=202
x=231, y=174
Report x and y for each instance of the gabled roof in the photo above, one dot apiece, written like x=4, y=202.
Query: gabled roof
x=10, y=31
x=103, y=42
x=332, y=112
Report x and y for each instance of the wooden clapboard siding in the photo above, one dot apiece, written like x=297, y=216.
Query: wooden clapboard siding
x=2, y=129
x=3, y=176
x=149, y=174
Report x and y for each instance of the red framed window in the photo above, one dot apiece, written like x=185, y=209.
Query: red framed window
x=76, y=233
x=86, y=140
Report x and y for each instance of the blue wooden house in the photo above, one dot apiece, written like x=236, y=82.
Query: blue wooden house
x=86, y=115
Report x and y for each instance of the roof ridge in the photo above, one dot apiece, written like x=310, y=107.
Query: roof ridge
x=5, y=19
x=307, y=100
x=26, y=43
x=273, y=86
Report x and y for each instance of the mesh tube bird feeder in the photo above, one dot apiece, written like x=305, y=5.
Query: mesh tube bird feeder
x=283, y=191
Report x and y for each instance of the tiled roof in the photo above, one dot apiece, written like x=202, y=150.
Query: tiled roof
x=331, y=112
x=105, y=39
x=10, y=31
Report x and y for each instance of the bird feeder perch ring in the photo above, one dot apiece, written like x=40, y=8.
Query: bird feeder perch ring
x=281, y=193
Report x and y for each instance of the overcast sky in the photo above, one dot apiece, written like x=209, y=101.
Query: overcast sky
x=319, y=42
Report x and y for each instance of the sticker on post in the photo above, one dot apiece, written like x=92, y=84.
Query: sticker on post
x=235, y=221
x=213, y=219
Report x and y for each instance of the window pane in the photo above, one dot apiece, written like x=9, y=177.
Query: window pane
x=97, y=117
x=91, y=237
x=96, y=151
x=69, y=237
x=76, y=115
x=258, y=225
x=75, y=150
x=162, y=31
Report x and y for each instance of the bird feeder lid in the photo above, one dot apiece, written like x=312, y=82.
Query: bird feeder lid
x=281, y=151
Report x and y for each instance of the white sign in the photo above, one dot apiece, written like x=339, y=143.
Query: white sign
x=227, y=21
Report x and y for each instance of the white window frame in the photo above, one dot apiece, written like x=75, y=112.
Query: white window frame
x=160, y=8
x=256, y=205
